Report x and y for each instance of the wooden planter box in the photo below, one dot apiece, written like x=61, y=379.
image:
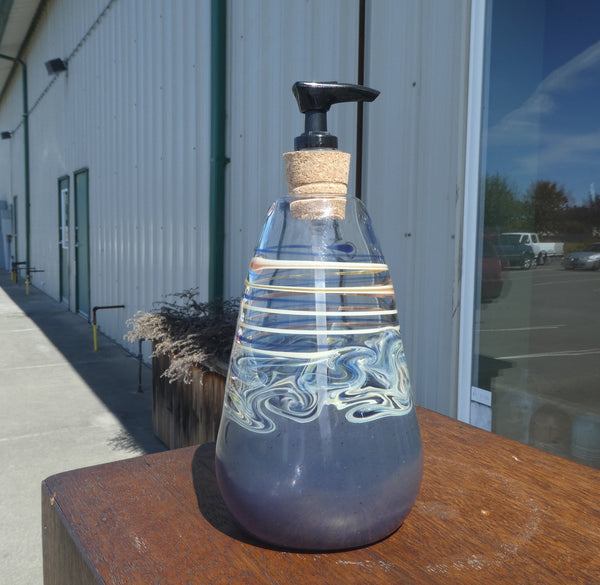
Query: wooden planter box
x=187, y=414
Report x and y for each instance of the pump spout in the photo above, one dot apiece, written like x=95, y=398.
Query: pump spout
x=314, y=100
x=317, y=172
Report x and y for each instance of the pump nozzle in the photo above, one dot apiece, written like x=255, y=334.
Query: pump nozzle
x=314, y=100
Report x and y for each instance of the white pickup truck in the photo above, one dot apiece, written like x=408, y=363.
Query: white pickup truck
x=541, y=250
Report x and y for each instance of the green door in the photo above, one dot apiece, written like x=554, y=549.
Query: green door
x=82, y=252
x=63, y=237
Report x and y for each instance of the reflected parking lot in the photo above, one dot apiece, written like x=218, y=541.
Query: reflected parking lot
x=540, y=357
x=537, y=344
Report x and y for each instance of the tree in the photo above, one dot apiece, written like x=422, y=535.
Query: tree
x=549, y=204
x=502, y=206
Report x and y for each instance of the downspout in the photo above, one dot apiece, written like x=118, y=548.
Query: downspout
x=359, y=106
x=218, y=159
x=26, y=161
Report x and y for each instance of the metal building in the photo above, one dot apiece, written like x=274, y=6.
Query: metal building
x=142, y=141
x=124, y=200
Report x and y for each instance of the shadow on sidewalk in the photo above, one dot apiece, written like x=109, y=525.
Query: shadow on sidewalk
x=111, y=372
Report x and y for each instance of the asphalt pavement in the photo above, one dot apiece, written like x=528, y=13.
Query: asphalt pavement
x=539, y=347
x=64, y=406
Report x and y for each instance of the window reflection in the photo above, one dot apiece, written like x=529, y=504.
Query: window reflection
x=537, y=325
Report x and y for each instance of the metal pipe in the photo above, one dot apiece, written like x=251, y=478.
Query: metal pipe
x=26, y=161
x=140, y=364
x=94, y=323
x=218, y=160
x=15, y=267
x=359, y=110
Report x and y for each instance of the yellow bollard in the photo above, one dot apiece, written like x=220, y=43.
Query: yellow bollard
x=27, y=285
x=94, y=310
x=13, y=275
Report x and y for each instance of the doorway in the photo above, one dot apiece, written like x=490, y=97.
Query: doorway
x=63, y=238
x=82, y=253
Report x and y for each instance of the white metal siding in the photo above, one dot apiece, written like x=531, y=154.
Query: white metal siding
x=272, y=45
x=417, y=54
x=134, y=108
x=12, y=170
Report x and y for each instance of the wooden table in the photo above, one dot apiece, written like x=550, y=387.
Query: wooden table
x=490, y=511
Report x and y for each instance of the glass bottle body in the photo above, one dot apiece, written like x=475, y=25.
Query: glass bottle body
x=319, y=446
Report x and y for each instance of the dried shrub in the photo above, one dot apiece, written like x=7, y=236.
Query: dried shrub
x=189, y=331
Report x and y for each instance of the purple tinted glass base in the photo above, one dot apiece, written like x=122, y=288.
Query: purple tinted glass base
x=328, y=484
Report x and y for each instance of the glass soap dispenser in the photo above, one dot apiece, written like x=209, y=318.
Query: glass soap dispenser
x=319, y=445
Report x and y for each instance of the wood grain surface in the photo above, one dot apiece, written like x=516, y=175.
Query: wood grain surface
x=490, y=510
x=186, y=413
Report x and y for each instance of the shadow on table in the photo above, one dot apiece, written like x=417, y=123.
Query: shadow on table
x=210, y=501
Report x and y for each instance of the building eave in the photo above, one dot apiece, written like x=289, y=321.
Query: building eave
x=16, y=20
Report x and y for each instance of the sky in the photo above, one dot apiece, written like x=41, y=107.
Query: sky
x=543, y=91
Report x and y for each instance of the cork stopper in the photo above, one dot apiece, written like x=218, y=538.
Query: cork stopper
x=319, y=178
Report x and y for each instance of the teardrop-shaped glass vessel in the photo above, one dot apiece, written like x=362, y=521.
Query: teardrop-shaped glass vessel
x=319, y=446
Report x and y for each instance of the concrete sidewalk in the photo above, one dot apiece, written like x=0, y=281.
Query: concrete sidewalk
x=64, y=406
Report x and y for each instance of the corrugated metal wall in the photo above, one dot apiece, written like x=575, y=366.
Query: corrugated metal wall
x=414, y=147
x=414, y=171
x=134, y=108
x=12, y=157
x=272, y=45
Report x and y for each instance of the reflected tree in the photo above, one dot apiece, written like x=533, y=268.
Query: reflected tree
x=504, y=211
x=544, y=209
x=549, y=204
x=583, y=221
x=594, y=214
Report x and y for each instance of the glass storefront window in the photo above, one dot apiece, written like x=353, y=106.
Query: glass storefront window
x=537, y=316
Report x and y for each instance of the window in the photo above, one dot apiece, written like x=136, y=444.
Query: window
x=536, y=344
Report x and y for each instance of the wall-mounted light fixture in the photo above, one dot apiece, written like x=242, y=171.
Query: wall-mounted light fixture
x=6, y=135
x=55, y=66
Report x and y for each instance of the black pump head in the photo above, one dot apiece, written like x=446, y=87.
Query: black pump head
x=314, y=100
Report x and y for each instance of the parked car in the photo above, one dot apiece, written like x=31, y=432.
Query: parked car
x=542, y=250
x=491, y=272
x=514, y=253
x=587, y=259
